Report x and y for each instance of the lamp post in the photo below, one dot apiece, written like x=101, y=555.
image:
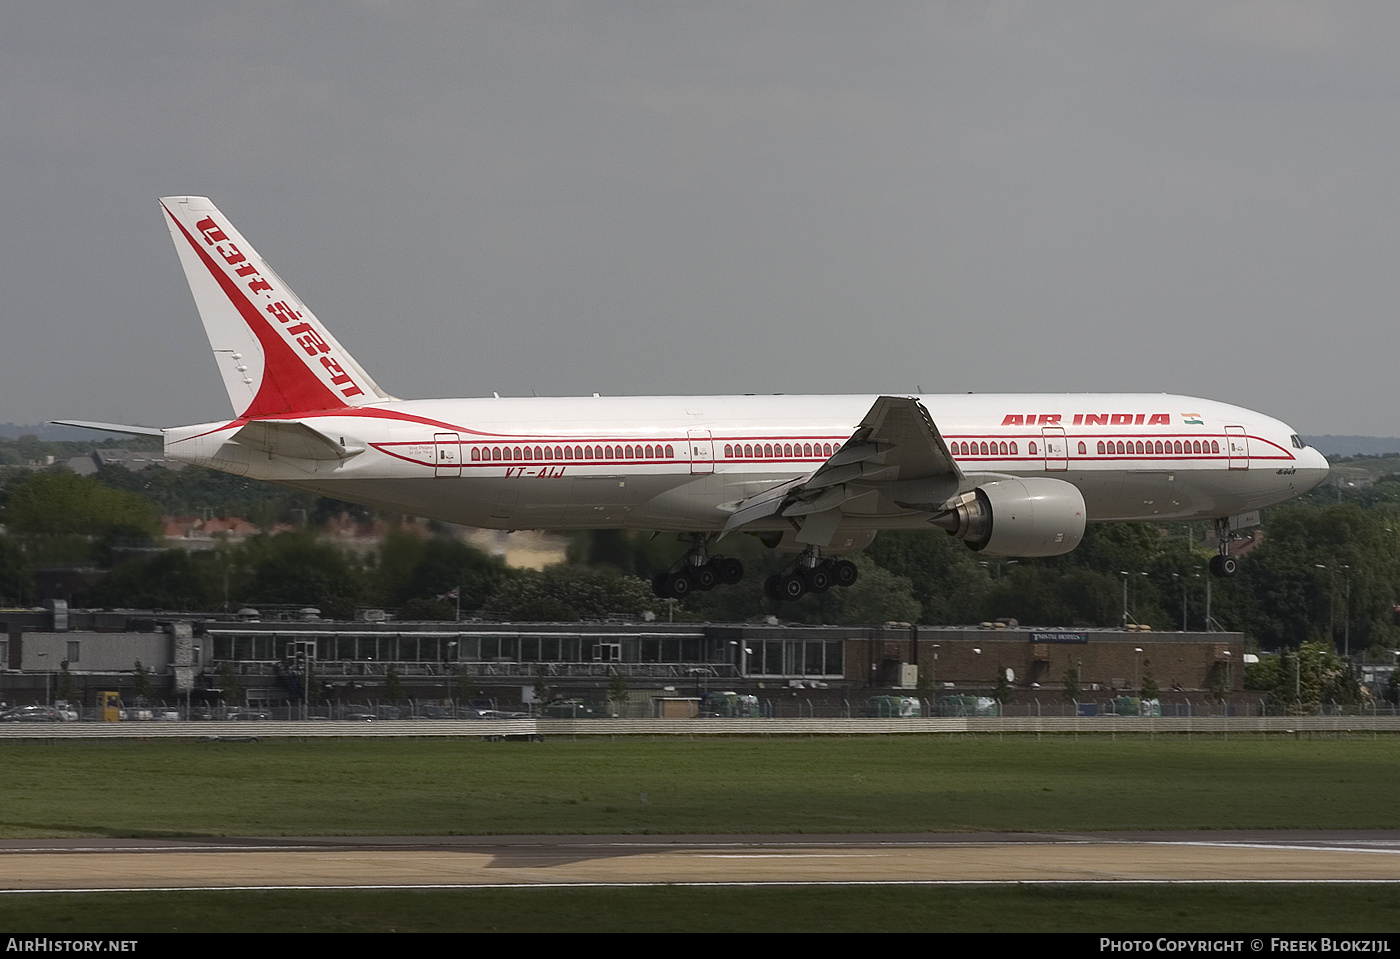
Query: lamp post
x=45, y=657
x=1346, y=607
x=1125, y=574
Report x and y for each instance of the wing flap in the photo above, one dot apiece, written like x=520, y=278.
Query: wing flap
x=895, y=462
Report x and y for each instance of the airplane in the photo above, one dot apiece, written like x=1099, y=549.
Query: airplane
x=818, y=476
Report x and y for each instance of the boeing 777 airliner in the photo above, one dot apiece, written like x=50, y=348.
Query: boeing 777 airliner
x=1009, y=474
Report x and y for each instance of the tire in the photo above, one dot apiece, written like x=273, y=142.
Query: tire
x=678, y=585
x=817, y=579
x=791, y=587
x=770, y=589
x=730, y=571
x=844, y=573
x=704, y=577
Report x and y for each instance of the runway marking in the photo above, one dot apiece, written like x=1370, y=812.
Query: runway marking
x=1117, y=883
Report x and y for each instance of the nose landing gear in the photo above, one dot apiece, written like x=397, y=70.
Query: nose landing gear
x=1223, y=564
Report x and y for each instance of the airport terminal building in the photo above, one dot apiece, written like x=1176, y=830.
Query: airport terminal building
x=255, y=659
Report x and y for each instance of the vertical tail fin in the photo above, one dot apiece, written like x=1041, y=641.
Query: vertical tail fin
x=274, y=355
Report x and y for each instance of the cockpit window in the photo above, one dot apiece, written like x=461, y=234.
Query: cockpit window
x=1297, y=442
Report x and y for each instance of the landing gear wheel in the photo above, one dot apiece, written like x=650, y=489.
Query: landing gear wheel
x=791, y=587
x=1224, y=565
x=770, y=589
x=730, y=570
x=704, y=577
x=844, y=573
x=818, y=578
x=678, y=585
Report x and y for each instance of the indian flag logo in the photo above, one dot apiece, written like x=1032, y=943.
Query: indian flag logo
x=1193, y=419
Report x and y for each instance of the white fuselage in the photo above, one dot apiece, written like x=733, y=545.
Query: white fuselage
x=684, y=463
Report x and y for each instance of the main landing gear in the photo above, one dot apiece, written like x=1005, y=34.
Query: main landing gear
x=813, y=574
x=1223, y=564
x=697, y=570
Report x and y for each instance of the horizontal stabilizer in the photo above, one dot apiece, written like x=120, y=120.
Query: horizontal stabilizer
x=111, y=427
x=294, y=440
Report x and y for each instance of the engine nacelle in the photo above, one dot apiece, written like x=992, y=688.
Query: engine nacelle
x=1034, y=516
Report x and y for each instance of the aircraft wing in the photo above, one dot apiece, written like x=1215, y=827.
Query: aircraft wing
x=895, y=462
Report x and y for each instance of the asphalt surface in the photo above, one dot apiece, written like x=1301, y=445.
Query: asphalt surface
x=366, y=862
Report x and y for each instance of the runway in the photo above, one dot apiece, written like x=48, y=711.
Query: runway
x=553, y=861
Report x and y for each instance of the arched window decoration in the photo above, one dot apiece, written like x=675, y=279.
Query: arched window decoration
x=1139, y=446
x=826, y=449
x=476, y=454
x=728, y=450
x=787, y=449
x=1030, y=448
x=1013, y=447
x=607, y=452
x=1082, y=448
x=1214, y=446
x=669, y=452
x=767, y=449
x=806, y=449
x=548, y=453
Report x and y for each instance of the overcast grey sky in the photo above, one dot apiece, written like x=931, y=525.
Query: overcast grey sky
x=716, y=197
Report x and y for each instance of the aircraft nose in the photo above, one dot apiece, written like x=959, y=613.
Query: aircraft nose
x=1312, y=469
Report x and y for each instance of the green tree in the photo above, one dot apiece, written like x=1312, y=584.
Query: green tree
x=1070, y=681
x=393, y=685
x=617, y=691
x=1149, y=689
x=945, y=577
x=228, y=684
x=65, y=518
x=566, y=593
x=67, y=686
x=141, y=684
x=299, y=569
x=1311, y=676
x=1004, y=691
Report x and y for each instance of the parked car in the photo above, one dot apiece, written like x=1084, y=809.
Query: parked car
x=32, y=714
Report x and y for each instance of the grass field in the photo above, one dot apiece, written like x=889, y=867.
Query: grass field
x=1041, y=909
x=821, y=785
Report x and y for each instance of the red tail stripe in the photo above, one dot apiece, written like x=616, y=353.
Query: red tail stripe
x=288, y=385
